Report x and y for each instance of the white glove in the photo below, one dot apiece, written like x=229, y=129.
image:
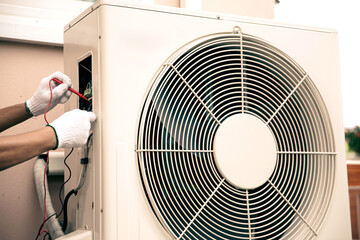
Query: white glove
x=38, y=103
x=72, y=129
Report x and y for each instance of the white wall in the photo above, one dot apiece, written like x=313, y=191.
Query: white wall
x=22, y=66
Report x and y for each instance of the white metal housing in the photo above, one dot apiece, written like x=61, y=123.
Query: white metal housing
x=129, y=44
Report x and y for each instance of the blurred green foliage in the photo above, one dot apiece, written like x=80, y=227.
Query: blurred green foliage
x=352, y=137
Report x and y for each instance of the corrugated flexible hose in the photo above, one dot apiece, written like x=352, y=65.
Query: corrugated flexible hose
x=52, y=224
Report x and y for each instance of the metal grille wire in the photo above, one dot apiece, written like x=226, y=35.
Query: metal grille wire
x=195, y=90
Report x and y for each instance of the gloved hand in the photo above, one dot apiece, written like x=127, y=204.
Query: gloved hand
x=73, y=128
x=38, y=103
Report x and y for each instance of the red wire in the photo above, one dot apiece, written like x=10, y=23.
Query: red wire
x=43, y=231
x=47, y=161
x=49, y=102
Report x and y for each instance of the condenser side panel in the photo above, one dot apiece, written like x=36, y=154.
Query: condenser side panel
x=81, y=65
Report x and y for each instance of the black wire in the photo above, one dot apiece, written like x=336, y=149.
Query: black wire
x=67, y=197
x=87, y=144
x=65, y=208
x=41, y=226
x=62, y=186
x=46, y=235
x=62, y=205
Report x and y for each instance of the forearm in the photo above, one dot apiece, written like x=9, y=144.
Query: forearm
x=19, y=148
x=13, y=115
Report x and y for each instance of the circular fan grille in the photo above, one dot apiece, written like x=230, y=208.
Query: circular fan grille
x=194, y=92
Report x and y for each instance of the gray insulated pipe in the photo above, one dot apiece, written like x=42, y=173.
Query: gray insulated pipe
x=52, y=224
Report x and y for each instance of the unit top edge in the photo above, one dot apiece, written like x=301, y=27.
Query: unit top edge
x=187, y=12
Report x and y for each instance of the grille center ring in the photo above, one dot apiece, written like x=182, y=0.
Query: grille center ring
x=245, y=151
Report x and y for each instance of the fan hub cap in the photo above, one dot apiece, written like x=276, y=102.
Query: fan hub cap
x=245, y=151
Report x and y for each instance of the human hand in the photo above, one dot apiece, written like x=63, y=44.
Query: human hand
x=38, y=103
x=72, y=129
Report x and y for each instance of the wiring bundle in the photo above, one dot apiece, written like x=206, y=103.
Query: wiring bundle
x=84, y=162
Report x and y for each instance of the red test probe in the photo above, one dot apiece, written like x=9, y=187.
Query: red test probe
x=71, y=89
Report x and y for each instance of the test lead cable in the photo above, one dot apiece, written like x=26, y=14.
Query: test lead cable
x=71, y=89
x=47, y=158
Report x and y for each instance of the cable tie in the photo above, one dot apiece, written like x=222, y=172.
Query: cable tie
x=84, y=160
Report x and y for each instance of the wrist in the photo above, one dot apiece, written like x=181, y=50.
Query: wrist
x=53, y=141
x=28, y=110
x=33, y=107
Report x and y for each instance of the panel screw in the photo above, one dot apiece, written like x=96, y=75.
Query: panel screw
x=237, y=30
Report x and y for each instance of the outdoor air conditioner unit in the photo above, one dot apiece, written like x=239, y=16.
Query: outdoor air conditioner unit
x=208, y=126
